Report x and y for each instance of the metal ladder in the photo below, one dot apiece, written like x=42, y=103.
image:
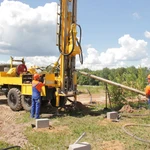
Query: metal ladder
x=58, y=25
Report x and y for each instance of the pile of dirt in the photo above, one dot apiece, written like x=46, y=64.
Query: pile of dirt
x=77, y=106
x=81, y=106
x=127, y=109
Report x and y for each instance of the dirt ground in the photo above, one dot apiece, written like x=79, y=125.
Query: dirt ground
x=12, y=133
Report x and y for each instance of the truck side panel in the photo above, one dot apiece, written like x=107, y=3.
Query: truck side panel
x=26, y=89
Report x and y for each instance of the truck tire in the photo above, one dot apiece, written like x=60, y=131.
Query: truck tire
x=14, y=99
x=26, y=102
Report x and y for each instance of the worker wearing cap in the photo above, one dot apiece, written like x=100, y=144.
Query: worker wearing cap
x=36, y=96
x=147, y=90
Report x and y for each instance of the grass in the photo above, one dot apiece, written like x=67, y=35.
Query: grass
x=3, y=144
x=67, y=129
x=101, y=133
x=6, y=145
x=24, y=119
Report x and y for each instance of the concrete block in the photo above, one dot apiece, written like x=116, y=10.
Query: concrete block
x=80, y=146
x=112, y=115
x=42, y=123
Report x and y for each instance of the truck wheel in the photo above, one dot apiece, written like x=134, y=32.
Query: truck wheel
x=26, y=102
x=14, y=99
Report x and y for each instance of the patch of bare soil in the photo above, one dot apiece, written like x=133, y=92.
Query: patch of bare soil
x=112, y=145
x=51, y=129
x=11, y=132
x=87, y=98
x=104, y=122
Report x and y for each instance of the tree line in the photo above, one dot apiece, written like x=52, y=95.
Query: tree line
x=130, y=76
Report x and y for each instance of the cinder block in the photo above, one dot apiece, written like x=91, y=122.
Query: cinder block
x=112, y=115
x=42, y=123
x=80, y=146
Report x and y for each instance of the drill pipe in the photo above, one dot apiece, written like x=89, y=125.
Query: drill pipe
x=113, y=83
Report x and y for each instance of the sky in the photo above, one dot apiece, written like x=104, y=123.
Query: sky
x=115, y=33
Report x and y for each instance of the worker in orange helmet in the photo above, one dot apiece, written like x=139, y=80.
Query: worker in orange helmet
x=36, y=96
x=147, y=90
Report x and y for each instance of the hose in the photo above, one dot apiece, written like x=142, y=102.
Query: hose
x=73, y=40
x=65, y=54
x=79, y=44
x=135, y=115
x=18, y=147
x=133, y=135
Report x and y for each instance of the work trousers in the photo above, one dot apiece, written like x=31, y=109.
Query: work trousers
x=148, y=103
x=35, y=108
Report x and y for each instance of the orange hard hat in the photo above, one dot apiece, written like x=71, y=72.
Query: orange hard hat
x=36, y=76
x=148, y=76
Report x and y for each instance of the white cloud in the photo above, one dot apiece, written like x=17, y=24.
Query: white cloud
x=147, y=34
x=130, y=50
x=92, y=56
x=5, y=48
x=26, y=31
x=136, y=15
x=31, y=32
x=41, y=61
x=88, y=46
x=145, y=62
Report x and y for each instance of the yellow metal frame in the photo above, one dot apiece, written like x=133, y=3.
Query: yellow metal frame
x=26, y=89
x=68, y=45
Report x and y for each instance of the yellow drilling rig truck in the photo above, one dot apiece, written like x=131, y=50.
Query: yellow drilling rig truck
x=61, y=81
x=16, y=82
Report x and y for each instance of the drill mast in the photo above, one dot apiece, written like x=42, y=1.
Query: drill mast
x=69, y=46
